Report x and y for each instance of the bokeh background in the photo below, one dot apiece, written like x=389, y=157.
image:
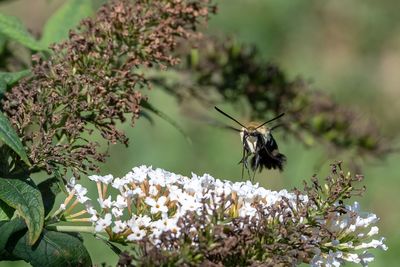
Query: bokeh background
x=349, y=49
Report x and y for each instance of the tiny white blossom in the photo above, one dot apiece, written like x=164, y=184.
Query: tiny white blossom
x=119, y=226
x=102, y=224
x=137, y=234
x=119, y=183
x=374, y=230
x=92, y=211
x=153, y=191
x=107, y=179
x=95, y=178
x=120, y=202
x=139, y=174
x=143, y=221
x=157, y=206
x=352, y=257
x=175, y=193
x=80, y=193
x=105, y=203
x=138, y=191
x=157, y=177
x=366, y=258
x=374, y=244
x=190, y=204
x=116, y=212
x=71, y=184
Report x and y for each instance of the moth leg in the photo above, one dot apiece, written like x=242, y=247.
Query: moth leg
x=255, y=167
x=248, y=169
x=243, y=159
x=244, y=162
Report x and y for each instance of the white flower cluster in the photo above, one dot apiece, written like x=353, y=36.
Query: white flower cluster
x=354, y=232
x=147, y=202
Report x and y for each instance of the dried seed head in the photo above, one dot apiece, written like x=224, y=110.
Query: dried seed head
x=93, y=79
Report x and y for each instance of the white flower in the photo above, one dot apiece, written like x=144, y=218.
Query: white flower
x=105, y=203
x=247, y=210
x=71, y=184
x=352, y=257
x=190, y=204
x=365, y=222
x=95, y=178
x=143, y=221
x=119, y=183
x=193, y=186
x=374, y=244
x=138, y=174
x=106, y=179
x=374, y=230
x=103, y=179
x=155, y=235
x=157, y=177
x=175, y=193
x=80, y=193
x=138, y=191
x=119, y=226
x=90, y=210
x=165, y=224
x=102, y=224
x=120, y=202
x=366, y=258
x=172, y=178
x=333, y=259
x=153, y=191
x=157, y=206
x=137, y=234
x=116, y=212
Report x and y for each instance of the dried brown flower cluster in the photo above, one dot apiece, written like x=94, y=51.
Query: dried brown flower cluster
x=230, y=72
x=94, y=78
x=287, y=233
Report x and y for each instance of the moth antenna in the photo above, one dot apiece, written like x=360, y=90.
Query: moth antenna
x=276, y=126
x=230, y=117
x=277, y=117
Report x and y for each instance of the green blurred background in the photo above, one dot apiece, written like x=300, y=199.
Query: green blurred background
x=350, y=49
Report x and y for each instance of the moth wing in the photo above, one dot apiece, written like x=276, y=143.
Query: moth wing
x=268, y=155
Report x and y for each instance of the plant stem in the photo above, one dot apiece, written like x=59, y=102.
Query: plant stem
x=70, y=228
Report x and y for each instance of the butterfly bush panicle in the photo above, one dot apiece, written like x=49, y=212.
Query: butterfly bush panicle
x=96, y=77
x=180, y=220
x=227, y=71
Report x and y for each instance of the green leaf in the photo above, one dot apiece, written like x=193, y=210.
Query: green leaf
x=64, y=19
x=113, y=247
x=8, y=79
x=10, y=138
x=165, y=117
x=27, y=200
x=13, y=29
x=7, y=228
x=49, y=190
x=53, y=249
x=6, y=212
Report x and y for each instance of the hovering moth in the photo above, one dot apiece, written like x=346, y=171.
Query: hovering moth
x=259, y=146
